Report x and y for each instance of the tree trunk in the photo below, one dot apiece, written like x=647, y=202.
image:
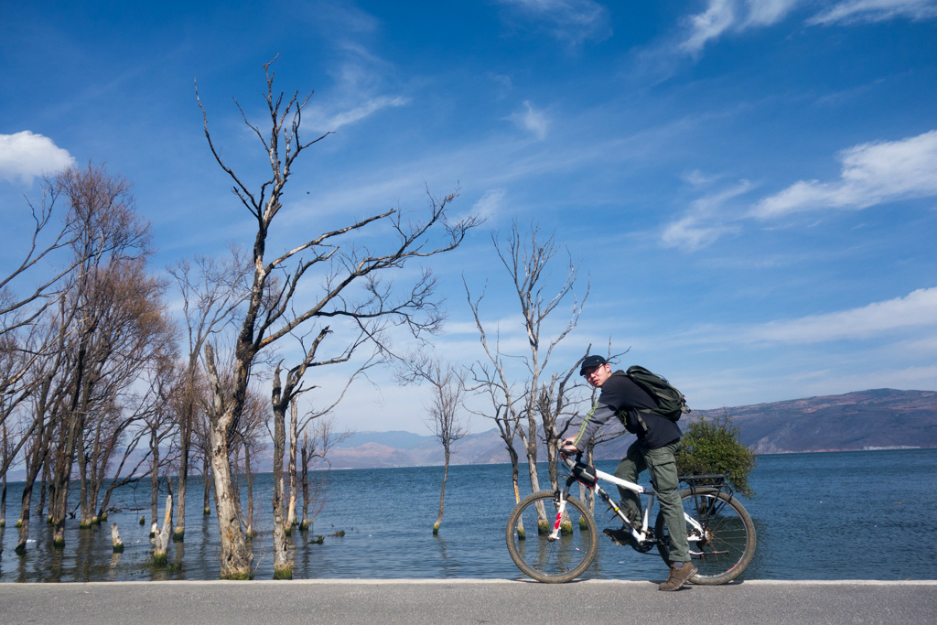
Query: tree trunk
x=43, y=488
x=249, y=531
x=3, y=503
x=530, y=447
x=282, y=568
x=235, y=556
x=116, y=543
x=154, y=480
x=61, y=481
x=439, y=518
x=291, y=511
x=160, y=539
x=206, y=484
x=304, y=459
x=179, y=532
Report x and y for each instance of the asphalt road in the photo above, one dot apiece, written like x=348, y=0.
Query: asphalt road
x=434, y=602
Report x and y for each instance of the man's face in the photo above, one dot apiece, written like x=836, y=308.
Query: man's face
x=596, y=376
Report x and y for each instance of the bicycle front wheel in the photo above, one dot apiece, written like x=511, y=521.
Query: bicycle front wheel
x=723, y=547
x=539, y=556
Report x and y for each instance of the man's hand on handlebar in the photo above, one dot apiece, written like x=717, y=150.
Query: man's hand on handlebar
x=567, y=448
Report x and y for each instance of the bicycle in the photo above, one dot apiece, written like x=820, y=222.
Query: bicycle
x=720, y=533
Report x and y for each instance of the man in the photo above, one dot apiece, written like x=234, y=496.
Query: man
x=658, y=438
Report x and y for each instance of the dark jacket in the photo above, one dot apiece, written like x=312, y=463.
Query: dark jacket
x=622, y=398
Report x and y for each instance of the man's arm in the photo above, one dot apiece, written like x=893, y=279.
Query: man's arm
x=595, y=419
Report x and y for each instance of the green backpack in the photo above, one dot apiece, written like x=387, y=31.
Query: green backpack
x=671, y=403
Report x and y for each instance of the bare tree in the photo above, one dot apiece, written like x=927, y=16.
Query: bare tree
x=17, y=311
x=285, y=394
x=51, y=391
x=273, y=309
x=319, y=437
x=109, y=236
x=159, y=538
x=248, y=441
x=448, y=386
x=132, y=338
x=211, y=291
x=527, y=263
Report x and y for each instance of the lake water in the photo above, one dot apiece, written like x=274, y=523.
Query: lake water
x=846, y=515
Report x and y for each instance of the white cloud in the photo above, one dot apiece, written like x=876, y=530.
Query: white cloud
x=358, y=113
x=722, y=16
x=768, y=12
x=710, y=24
x=489, y=204
x=918, y=309
x=532, y=120
x=851, y=11
x=569, y=20
x=872, y=173
x=24, y=156
x=704, y=222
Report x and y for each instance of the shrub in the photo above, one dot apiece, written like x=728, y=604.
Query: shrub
x=712, y=446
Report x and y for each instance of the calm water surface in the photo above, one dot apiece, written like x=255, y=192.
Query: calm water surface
x=847, y=515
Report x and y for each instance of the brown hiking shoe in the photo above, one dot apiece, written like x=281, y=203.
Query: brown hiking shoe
x=678, y=577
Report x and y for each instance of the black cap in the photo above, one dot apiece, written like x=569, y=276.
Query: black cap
x=591, y=361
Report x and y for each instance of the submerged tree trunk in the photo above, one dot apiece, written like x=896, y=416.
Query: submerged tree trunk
x=44, y=489
x=249, y=525
x=206, y=485
x=179, y=532
x=439, y=518
x=304, y=463
x=282, y=568
x=160, y=540
x=236, y=557
x=3, y=503
x=154, y=481
x=116, y=543
x=291, y=511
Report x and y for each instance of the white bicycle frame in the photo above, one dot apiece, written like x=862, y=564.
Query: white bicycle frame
x=641, y=535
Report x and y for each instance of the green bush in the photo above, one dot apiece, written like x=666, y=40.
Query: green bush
x=712, y=446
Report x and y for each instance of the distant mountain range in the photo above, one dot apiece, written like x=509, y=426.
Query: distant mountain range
x=875, y=419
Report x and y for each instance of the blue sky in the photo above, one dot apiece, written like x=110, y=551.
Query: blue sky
x=749, y=186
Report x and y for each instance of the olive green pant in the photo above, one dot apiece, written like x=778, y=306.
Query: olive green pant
x=663, y=471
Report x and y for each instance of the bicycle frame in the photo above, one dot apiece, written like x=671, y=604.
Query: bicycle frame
x=641, y=535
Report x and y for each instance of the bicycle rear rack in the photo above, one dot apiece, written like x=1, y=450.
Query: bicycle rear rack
x=718, y=481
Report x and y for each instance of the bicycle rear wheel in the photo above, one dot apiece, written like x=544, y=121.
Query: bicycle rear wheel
x=546, y=560
x=727, y=543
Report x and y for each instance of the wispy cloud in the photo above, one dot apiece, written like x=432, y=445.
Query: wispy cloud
x=719, y=17
x=489, y=205
x=736, y=16
x=573, y=21
x=361, y=77
x=872, y=173
x=357, y=113
x=704, y=222
x=532, y=120
x=24, y=156
x=915, y=310
x=851, y=11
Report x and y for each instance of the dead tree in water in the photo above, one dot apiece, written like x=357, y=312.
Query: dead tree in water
x=272, y=311
x=447, y=386
x=109, y=239
x=211, y=292
x=161, y=539
x=526, y=259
